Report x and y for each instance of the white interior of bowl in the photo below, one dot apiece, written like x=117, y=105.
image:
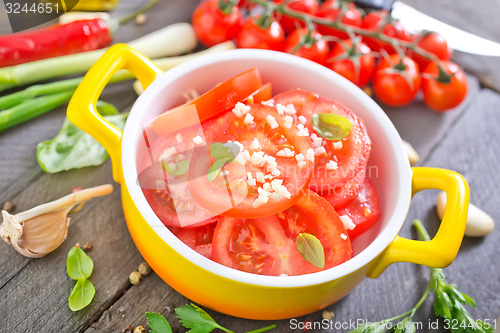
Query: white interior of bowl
x=388, y=166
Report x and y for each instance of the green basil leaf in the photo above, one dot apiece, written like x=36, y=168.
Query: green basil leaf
x=78, y=264
x=180, y=168
x=311, y=249
x=81, y=295
x=158, y=323
x=331, y=126
x=214, y=169
x=72, y=148
x=196, y=319
x=219, y=151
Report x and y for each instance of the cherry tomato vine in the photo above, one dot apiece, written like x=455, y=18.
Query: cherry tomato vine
x=335, y=33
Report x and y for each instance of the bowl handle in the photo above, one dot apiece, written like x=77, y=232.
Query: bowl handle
x=82, y=109
x=443, y=248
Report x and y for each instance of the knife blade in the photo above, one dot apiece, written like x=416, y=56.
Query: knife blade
x=415, y=21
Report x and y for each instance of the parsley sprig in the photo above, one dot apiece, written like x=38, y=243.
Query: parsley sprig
x=193, y=318
x=449, y=304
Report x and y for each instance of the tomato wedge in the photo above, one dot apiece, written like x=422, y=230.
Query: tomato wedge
x=264, y=93
x=261, y=181
x=363, y=210
x=339, y=165
x=168, y=193
x=197, y=238
x=224, y=96
x=268, y=245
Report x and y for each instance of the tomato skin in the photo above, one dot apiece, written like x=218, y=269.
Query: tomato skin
x=364, y=209
x=212, y=26
x=443, y=96
x=290, y=24
x=372, y=21
x=346, y=66
x=318, y=52
x=267, y=245
x=330, y=10
x=252, y=35
x=433, y=43
x=391, y=87
x=218, y=99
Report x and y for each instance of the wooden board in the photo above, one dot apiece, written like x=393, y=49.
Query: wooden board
x=33, y=293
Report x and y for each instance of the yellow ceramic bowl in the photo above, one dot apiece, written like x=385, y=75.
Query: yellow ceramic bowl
x=243, y=294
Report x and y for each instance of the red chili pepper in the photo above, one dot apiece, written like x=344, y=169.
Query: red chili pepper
x=56, y=40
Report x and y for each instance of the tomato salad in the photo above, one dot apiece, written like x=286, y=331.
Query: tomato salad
x=271, y=185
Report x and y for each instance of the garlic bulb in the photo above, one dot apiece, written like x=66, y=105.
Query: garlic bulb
x=40, y=230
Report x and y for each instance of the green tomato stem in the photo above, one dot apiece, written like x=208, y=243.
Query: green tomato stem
x=264, y=329
x=337, y=24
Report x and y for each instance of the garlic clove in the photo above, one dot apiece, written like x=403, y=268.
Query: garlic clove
x=412, y=154
x=479, y=223
x=40, y=230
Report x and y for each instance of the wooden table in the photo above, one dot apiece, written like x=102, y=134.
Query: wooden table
x=34, y=292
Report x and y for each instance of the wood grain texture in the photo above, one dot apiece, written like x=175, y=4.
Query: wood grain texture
x=34, y=292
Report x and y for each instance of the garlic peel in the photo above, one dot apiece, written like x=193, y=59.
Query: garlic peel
x=40, y=230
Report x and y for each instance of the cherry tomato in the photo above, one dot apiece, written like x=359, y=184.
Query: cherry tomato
x=363, y=210
x=439, y=94
x=168, y=194
x=232, y=192
x=268, y=245
x=373, y=20
x=224, y=96
x=212, y=26
x=433, y=43
x=290, y=24
x=252, y=35
x=357, y=65
x=309, y=46
x=330, y=9
x=197, y=238
x=396, y=83
x=349, y=155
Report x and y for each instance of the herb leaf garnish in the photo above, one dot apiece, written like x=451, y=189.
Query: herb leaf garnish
x=331, y=126
x=311, y=249
x=79, y=267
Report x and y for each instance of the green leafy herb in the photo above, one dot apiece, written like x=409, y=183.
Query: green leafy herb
x=194, y=318
x=72, y=148
x=331, y=126
x=158, y=323
x=79, y=267
x=221, y=155
x=449, y=303
x=198, y=321
x=311, y=249
x=78, y=264
x=81, y=295
x=180, y=168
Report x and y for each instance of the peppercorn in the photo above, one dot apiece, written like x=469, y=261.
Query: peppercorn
x=144, y=268
x=140, y=329
x=135, y=277
x=9, y=206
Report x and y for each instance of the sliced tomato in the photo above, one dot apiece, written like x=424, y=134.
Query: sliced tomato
x=197, y=238
x=224, y=96
x=350, y=155
x=232, y=193
x=268, y=245
x=264, y=93
x=169, y=194
x=363, y=210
